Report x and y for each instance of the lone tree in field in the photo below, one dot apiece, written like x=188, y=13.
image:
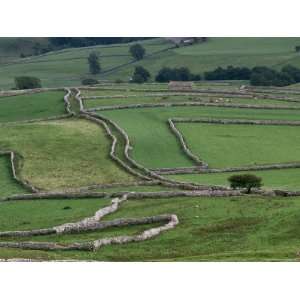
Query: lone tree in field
x=137, y=51
x=247, y=181
x=140, y=75
x=27, y=82
x=94, y=64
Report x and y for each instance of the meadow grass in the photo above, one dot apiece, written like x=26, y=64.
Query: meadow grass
x=31, y=106
x=153, y=143
x=286, y=179
x=233, y=145
x=92, y=103
x=63, y=154
x=35, y=214
x=8, y=185
x=214, y=229
x=241, y=51
x=68, y=67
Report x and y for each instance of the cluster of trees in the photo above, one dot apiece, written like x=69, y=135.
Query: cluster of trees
x=177, y=74
x=229, y=73
x=265, y=76
x=259, y=76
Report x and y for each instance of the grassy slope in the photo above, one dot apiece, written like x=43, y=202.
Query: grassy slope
x=34, y=106
x=273, y=52
x=249, y=228
x=12, y=47
x=272, y=179
x=156, y=147
x=238, y=145
x=67, y=67
x=7, y=185
x=62, y=154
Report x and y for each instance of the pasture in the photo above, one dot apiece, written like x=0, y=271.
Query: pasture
x=31, y=106
x=82, y=157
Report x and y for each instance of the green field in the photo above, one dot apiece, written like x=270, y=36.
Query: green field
x=226, y=229
x=62, y=154
x=8, y=185
x=73, y=154
x=234, y=145
x=67, y=67
x=286, y=179
x=31, y=106
x=156, y=147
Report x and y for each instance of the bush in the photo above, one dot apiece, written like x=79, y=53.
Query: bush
x=247, y=181
x=177, y=74
x=297, y=48
x=140, y=75
x=137, y=51
x=94, y=64
x=89, y=81
x=27, y=82
x=119, y=81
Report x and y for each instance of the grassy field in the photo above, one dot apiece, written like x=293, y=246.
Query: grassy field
x=233, y=229
x=62, y=154
x=92, y=103
x=286, y=179
x=234, y=145
x=67, y=67
x=8, y=185
x=31, y=106
x=156, y=147
x=272, y=52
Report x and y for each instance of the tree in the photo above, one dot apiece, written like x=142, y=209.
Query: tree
x=94, y=64
x=247, y=181
x=140, y=75
x=297, y=48
x=27, y=82
x=137, y=51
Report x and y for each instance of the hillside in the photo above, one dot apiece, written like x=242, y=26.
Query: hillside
x=69, y=66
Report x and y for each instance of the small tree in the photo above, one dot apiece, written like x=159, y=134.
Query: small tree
x=27, y=82
x=297, y=48
x=94, y=64
x=140, y=75
x=247, y=181
x=137, y=51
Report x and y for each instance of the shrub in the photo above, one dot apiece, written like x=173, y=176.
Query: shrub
x=119, y=81
x=247, y=181
x=137, y=51
x=297, y=48
x=94, y=65
x=89, y=81
x=27, y=82
x=140, y=75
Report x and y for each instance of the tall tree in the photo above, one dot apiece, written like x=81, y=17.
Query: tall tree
x=94, y=64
